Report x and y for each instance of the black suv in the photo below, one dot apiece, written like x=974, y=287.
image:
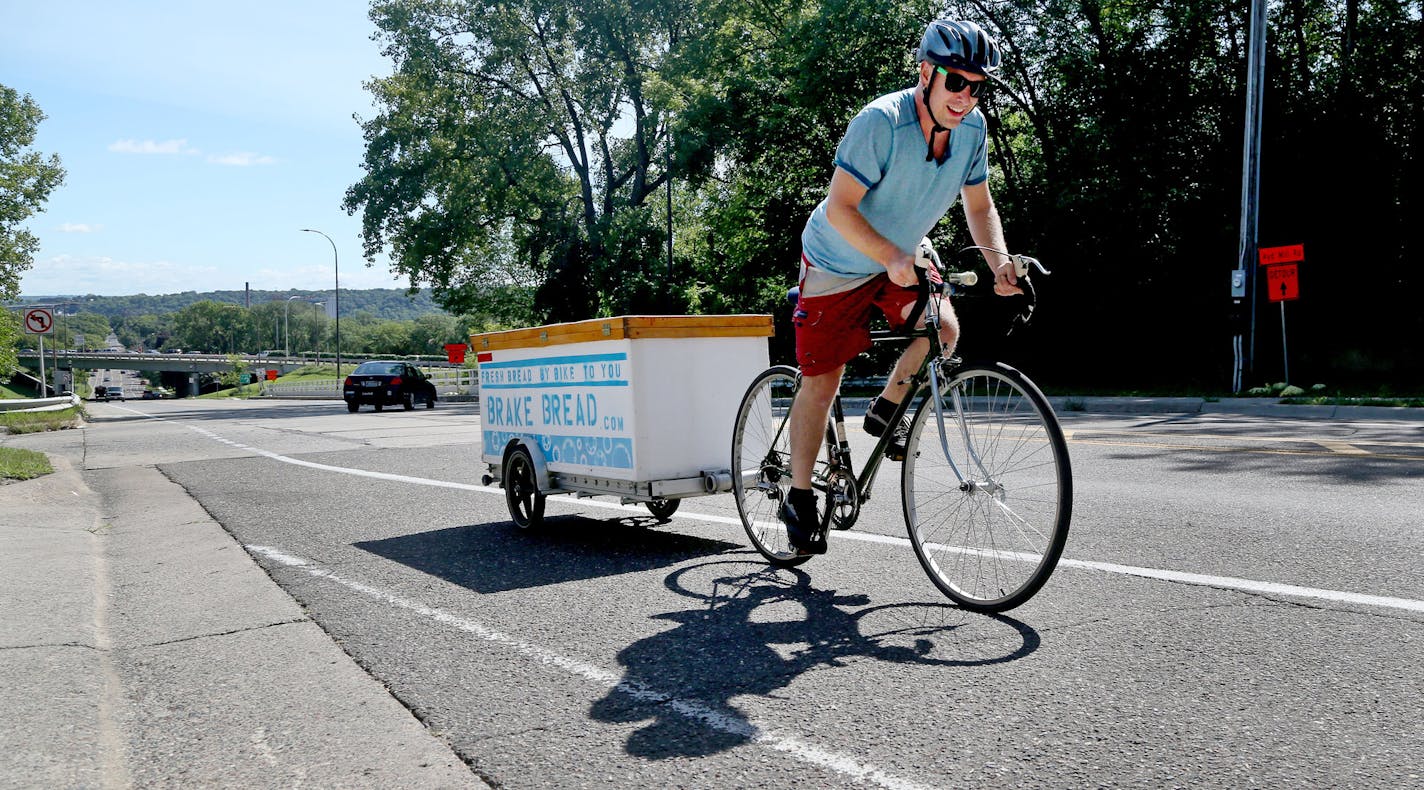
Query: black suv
x=380, y=383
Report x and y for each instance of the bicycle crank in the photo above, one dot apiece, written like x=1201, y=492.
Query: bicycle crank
x=844, y=499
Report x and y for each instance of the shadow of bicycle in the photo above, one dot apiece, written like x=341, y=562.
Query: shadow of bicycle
x=754, y=630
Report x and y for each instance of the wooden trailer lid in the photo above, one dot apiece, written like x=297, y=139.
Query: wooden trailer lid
x=626, y=327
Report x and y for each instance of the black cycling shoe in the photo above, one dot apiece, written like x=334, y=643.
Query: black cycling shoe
x=875, y=425
x=805, y=539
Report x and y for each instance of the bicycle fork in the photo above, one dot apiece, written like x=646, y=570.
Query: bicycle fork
x=958, y=407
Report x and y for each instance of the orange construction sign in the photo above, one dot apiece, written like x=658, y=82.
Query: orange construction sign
x=1281, y=282
x=1293, y=253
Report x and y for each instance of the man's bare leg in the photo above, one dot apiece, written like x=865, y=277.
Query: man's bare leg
x=808, y=427
x=898, y=386
x=809, y=413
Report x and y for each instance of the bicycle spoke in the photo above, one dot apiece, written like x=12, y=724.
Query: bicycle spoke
x=761, y=463
x=990, y=541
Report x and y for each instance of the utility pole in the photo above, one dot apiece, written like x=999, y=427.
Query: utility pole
x=1245, y=275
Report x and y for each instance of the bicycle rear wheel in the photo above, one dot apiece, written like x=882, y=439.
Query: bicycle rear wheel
x=991, y=541
x=761, y=463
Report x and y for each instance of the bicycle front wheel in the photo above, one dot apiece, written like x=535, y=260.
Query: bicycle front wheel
x=761, y=463
x=990, y=535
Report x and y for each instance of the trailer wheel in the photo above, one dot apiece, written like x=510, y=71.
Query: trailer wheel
x=662, y=509
x=521, y=490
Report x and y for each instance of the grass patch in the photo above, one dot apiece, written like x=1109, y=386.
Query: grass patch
x=7, y=391
x=36, y=421
x=304, y=373
x=310, y=372
x=18, y=464
x=1332, y=400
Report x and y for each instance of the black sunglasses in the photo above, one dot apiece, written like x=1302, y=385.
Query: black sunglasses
x=956, y=83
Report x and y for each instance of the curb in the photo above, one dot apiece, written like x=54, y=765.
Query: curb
x=1257, y=407
x=141, y=645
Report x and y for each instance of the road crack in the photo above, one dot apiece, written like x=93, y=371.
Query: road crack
x=225, y=633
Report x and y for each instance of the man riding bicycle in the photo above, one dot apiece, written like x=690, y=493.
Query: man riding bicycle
x=858, y=248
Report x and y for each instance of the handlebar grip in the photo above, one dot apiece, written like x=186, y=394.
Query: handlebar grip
x=966, y=279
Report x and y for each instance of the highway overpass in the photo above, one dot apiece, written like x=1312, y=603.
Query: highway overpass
x=170, y=363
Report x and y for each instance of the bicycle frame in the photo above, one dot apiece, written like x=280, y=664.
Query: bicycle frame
x=928, y=373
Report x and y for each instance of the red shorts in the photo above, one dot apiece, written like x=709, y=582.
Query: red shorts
x=832, y=329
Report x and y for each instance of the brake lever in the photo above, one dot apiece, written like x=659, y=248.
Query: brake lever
x=1023, y=262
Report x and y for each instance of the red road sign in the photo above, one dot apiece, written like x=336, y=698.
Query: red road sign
x=1289, y=254
x=39, y=321
x=1281, y=282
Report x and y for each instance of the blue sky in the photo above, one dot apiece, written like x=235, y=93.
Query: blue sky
x=198, y=138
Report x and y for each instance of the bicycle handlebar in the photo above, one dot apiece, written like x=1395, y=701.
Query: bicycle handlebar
x=1022, y=263
x=926, y=256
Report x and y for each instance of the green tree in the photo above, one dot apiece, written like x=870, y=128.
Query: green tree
x=430, y=333
x=232, y=377
x=495, y=170
x=770, y=88
x=311, y=329
x=210, y=326
x=386, y=338
x=146, y=330
x=93, y=326
x=514, y=147
x=26, y=180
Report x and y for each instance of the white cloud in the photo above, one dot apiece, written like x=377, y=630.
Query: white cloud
x=79, y=227
x=97, y=274
x=152, y=147
x=242, y=159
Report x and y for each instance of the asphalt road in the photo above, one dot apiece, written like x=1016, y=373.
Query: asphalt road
x=1241, y=604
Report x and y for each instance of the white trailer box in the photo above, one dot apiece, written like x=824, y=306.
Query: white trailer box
x=632, y=398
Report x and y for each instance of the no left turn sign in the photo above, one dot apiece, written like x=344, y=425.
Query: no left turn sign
x=39, y=321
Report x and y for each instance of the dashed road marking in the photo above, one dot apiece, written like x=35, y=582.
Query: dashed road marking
x=754, y=732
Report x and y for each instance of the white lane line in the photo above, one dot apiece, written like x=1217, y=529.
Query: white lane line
x=1249, y=585
x=1203, y=580
x=609, y=679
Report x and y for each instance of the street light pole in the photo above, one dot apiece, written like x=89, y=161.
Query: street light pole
x=286, y=325
x=336, y=263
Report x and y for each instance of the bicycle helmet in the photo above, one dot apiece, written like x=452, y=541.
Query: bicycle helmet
x=956, y=44
x=959, y=44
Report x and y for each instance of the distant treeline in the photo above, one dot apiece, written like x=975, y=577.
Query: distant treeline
x=391, y=304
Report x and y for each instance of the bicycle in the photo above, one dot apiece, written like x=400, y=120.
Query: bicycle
x=988, y=529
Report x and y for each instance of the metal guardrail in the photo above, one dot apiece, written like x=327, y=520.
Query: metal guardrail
x=39, y=404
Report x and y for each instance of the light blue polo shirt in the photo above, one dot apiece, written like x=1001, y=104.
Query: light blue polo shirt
x=884, y=150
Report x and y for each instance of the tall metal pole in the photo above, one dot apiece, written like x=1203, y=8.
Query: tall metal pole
x=1251, y=166
x=337, y=264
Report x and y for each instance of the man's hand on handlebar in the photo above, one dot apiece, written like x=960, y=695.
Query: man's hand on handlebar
x=902, y=271
x=1006, y=279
